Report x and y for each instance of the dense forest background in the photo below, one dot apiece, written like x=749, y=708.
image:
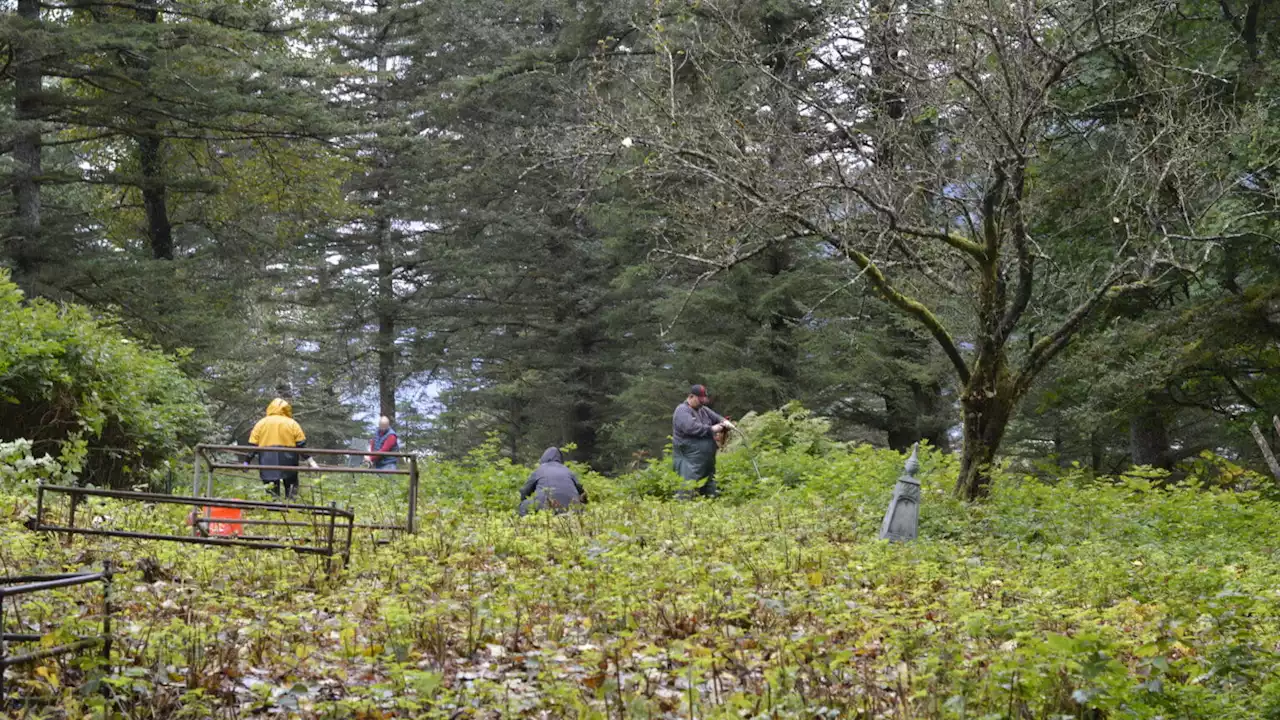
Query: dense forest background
x=1046, y=229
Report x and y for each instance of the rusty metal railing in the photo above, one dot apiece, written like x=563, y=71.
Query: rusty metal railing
x=206, y=460
x=25, y=585
x=325, y=522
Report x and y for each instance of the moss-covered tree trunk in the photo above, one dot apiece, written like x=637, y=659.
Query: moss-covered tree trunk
x=987, y=404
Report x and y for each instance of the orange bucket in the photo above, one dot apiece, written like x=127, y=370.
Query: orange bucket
x=224, y=528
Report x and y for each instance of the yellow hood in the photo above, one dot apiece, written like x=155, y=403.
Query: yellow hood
x=280, y=406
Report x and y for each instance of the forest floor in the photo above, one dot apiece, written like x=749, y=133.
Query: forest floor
x=1082, y=599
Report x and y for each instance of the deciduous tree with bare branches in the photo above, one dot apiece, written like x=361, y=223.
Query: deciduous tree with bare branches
x=925, y=144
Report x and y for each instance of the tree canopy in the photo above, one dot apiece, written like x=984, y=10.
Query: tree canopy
x=1027, y=230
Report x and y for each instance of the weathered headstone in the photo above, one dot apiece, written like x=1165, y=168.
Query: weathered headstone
x=902, y=518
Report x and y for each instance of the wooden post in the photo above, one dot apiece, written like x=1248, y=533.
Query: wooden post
x=73, y=501
x=1266, y=450
x=333, y=519
x=4, y=653
x=346, y=554
x=40, y=504
x=108, y=573
x=413, y=496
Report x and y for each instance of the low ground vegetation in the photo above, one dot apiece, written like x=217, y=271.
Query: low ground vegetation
x=1082, y=597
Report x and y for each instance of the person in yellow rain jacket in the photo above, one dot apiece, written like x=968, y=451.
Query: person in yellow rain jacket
x=273, y=433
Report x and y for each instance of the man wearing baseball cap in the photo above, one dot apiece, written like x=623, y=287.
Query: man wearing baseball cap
x=693, y=441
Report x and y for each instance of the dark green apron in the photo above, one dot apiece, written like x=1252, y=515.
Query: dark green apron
x=695, y=458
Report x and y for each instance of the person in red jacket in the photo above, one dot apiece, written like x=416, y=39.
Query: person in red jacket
x=384, y=440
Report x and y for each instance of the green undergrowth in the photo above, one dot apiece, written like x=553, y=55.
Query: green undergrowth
x=1077, y=598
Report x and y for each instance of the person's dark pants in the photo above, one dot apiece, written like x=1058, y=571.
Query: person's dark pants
x=290, y=481
x=545, y=501
x=695, y=462
x=708, y=489
x=273, y=478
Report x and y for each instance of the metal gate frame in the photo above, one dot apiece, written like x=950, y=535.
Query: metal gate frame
x=203, y=455
x=40, y=583
x=332, y=525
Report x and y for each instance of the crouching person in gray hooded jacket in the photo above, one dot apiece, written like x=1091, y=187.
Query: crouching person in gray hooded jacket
x=552, y=486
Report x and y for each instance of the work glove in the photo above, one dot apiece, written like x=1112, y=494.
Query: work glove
x=312, y=462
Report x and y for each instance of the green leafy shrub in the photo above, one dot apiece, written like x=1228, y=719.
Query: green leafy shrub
x=106, y=407
x=1212, y=470
x=791, y=428
x=487, y=479
x=654, y=477
x=19, y=467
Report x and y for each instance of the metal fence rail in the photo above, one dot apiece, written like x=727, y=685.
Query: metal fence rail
x=27, y=584
x=206, y=464
x=326, y=522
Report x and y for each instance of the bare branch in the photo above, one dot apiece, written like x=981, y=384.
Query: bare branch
x=662, y=332
x=908, y=305
x=808, y=315
x=962, y=244
x=1026, y=261
x=1049, y=346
